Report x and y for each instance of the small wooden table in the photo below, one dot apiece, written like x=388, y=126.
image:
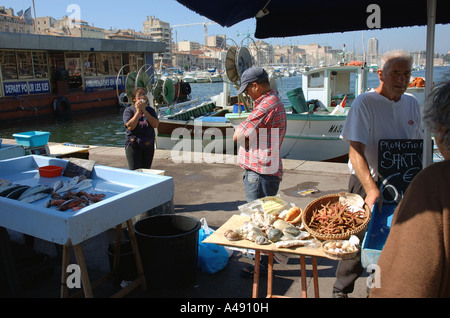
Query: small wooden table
x=236, y=221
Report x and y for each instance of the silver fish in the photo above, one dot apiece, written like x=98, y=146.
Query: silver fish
x=85, y=184
x=69, y=184
x=36, y=189
x=8, y=189
x=34, y=197
x=17, y=193
x=57, y=185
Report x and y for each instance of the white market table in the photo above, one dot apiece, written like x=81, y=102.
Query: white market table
x=128, y=194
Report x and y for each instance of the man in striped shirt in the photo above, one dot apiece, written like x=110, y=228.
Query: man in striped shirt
x=260, y=136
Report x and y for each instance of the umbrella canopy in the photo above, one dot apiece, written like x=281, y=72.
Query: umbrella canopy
x=282, y=18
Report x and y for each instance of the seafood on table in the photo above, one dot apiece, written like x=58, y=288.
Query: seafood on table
x=64, y=195
x=336, y=218
x=272, y=225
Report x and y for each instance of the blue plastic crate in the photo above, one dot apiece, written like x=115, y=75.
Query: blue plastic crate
x=32, y=138
x=376, y=234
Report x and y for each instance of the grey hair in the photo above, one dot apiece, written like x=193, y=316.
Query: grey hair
x=437, y=113
x=395, y=54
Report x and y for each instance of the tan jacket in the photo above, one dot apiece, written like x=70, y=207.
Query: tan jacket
x=415, y=261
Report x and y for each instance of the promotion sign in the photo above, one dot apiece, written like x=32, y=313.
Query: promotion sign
x=399, y=160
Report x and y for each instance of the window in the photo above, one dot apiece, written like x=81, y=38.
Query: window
x=25, y=64
x=73, y=64
x=315, y=80
x=40, y=63
x=90, y=68
x=102, y=64
x=9, y=65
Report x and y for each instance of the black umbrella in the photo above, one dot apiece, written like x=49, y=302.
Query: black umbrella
x=282, y=18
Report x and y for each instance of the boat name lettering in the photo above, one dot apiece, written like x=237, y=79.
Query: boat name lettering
x=335, y=128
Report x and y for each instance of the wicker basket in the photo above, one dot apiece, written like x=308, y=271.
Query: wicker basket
x=338, y=255
x=317, y=204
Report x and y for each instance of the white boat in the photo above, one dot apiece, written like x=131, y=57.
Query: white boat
x=195, y=128
x=189, y=77
x=216, y=77
x=201, y=77
x=313, y=122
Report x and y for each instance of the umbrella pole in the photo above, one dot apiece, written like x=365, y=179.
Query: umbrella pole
x=431, y=22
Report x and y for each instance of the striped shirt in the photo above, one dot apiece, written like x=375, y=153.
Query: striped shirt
x=265, y=128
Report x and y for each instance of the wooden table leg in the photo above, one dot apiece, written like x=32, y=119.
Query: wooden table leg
x=315, y=277
x=270, y=276
x=83, y=269
x=256, y=275
x=64, y=275
x=137, y=255
x=303, y=275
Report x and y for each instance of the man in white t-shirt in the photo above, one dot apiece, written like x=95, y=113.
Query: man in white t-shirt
x=386, y=112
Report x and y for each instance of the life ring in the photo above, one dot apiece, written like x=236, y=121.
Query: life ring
x=61, y=105
x=186, y=88
x=123, y=100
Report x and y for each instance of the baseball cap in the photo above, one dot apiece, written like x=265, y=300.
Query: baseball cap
x=251, y=75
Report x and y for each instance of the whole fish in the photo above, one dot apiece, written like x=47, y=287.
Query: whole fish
x=57, y=185
x=36, y=189
x=69, y=184
x=17, y=193
x=82, y=185
x=34, y=197
x=7, y=190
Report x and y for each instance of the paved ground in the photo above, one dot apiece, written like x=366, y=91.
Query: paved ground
x=212, y=191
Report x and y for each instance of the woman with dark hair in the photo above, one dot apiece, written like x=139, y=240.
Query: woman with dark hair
x=140, y=121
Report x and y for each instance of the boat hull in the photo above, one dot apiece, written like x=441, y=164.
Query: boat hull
x=31, y=107
x=195, y=135
x=313, y=137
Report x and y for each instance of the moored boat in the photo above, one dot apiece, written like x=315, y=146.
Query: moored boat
x=48, y=76
x=318, y=111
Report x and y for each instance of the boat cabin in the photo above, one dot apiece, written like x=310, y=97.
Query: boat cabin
x=38, y=69
x=329, y=85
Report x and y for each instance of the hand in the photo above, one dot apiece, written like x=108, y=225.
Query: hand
x=372, y=197
x=140, y=105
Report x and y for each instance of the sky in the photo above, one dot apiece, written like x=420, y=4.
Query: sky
x=130, y=14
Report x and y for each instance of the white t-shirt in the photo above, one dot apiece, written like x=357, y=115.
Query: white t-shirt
x=373, y=117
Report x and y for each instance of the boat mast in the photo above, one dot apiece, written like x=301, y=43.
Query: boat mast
x=34, y=22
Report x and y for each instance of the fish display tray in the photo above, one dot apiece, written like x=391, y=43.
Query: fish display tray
x=317, y=204
x=127, y=194
x=32, y=138
x=376, y=234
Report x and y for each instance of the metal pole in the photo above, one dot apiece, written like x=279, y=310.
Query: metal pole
x=431, y=21
x=34, y=22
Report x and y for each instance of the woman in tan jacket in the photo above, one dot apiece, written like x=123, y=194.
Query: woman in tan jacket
x=415, y=261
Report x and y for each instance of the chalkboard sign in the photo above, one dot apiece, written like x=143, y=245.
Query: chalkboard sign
x=399, y=160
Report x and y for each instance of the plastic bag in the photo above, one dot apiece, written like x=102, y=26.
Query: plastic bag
x=211, y=257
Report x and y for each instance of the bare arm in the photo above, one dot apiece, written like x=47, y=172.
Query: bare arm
x=359, y=162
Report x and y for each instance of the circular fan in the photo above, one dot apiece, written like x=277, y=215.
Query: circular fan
x=168, y=90
x=243, y=60
x=230, y=65
x=143, y=81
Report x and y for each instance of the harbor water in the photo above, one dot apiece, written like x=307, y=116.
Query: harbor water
x=106, y=128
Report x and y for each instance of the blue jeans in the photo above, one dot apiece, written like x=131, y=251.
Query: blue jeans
x=259, y=185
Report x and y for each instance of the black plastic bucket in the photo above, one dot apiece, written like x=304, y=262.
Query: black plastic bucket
x=127, y=269
x=168, y=245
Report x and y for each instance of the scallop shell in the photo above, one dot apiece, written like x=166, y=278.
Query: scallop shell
x=232, y=235
x=261, y=240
